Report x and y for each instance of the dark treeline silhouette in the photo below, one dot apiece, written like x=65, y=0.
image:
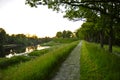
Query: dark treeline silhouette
x=65, y=34
x=13, y=40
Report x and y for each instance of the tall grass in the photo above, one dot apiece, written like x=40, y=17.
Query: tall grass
x=39, y=52
x=51, y=43
x=6, y=62
x=59, y=41
x=116, y=49
x=40, y=68
x=64, y=40
x=98, y=64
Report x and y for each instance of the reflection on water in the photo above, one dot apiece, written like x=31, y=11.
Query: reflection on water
x=23, y=51
x=42, y=47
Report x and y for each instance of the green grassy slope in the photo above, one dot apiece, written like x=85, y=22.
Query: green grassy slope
x=39, y=68
x=98, y=64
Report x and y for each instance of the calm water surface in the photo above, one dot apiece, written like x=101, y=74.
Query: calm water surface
x=17, y=51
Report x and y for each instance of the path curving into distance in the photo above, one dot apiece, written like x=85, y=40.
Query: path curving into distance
x=70, y=68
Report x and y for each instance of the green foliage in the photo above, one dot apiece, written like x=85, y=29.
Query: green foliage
x=59, y=34
x=24, y=40
x=88, y=32
x=21, y=39
x=64, y=34
x=6, y=62
x=98, y=64
x=2, y=41
x=40, y=67
x=116, y=49
x=2, y=36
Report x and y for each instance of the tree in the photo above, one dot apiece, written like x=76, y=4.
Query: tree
x=59, y=34
x=2, y=36
x=2, y=41
x=64, y=34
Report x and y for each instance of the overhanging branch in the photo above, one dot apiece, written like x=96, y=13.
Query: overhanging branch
x=87, y=5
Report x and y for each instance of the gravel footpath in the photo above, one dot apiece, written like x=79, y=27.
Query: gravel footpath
x=70, y=68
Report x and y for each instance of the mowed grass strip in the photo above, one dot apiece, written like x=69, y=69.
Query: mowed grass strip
x=40, y=68
x=98, y=64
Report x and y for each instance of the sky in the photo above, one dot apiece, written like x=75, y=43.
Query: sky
x=18, y=18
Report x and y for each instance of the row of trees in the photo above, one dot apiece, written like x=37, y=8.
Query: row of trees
x=21, y=39
x=104, y=15
x=94, y=33
x=18, y=40
x=64, y=34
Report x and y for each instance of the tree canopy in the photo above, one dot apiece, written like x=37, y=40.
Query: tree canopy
x=109, y=7
x=64, y=34
x=2, y=36
x=106, y=12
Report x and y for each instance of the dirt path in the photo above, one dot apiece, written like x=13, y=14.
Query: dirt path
x=70, y=69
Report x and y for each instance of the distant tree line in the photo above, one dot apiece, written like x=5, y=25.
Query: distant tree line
x=65, y=34
x=18, y=40
x=21, y=39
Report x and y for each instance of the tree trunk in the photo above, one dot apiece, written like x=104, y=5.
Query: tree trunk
x=1, y=51
x=101, y=39
x=110, y=38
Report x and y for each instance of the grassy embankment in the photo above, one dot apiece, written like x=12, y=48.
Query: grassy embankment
x=40, y=68
x=55, y=43
x=7, y=62
x=59, y=41
x=98, y=64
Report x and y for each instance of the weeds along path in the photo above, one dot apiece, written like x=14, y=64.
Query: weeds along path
x=70, y=69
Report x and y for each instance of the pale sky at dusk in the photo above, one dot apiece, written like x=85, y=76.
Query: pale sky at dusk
x=16, y=17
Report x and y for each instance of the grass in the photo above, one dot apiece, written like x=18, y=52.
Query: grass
x=51, y=43
x=40, y=68
x=64, y=40
x=10, y=62
x=38, y=52
x=6, y=62
x=116, y=49
x=98, y=64
x=59, y=41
